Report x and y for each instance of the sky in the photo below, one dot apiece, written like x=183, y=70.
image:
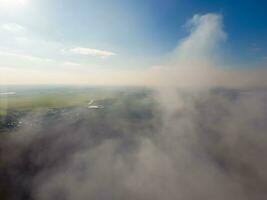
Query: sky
x=124, y=41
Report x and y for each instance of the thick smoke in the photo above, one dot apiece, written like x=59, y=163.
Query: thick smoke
x=212, y=145
x=198, y=61
x=168, y=143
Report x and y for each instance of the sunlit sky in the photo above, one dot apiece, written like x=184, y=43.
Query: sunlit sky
x=43, y=40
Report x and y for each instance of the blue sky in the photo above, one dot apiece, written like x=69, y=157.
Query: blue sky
x=122, y=34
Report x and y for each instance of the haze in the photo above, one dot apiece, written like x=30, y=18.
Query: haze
x=133, y=99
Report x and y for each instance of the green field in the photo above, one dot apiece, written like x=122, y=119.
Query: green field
x=132, y=102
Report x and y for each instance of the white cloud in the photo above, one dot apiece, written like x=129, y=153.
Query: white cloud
x=195, y=63
x=30, y=58
x=26, y=57
x=72, y=64
x=92, y=52
x=12, y=5
x=206, y=33
x=13, y=28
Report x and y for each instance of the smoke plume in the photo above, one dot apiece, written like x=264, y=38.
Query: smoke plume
x=177, y=142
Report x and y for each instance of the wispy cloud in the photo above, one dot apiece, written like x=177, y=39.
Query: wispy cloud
x=42, y=61
x=72, y=64
x=13, y=28
x=255, y=48
x=26, y=57
x=92, y=52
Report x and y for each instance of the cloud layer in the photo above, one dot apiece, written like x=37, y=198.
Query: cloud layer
x=92, y=52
